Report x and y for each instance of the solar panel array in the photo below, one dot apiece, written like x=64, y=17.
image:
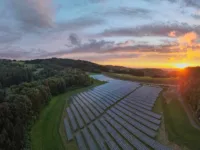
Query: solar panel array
x=116, y=115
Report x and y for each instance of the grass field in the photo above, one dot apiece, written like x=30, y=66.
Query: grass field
x=177, y=124
x=48, y=132
x=145, y=79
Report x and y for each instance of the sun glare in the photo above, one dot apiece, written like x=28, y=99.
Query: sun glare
x=181, y=65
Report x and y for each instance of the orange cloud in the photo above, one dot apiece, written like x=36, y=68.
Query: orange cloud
x=188, y=39
x=191, y=54
x=172, y=34
x=190, y=49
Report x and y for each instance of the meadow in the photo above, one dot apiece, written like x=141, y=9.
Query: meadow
x=177, y=125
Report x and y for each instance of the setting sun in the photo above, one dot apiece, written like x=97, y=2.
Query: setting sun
x=181, y=65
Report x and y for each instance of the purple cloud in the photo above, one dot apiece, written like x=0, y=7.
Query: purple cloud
x=80, y=23
x=32, y=14
x=157, y=29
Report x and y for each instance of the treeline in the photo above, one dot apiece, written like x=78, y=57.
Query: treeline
x=150, y=72
x=22, y=103
x=58, y=63
x=23, y=96
x=190, y=88
x=13, y=73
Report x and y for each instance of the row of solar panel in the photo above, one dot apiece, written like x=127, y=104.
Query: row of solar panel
x=112, y=132
x=130, y=120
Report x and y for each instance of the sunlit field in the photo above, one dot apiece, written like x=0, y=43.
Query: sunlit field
x=145, y=79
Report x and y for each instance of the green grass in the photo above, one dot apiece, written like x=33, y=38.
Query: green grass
x=179, y=128
x=145, y=79
x=48, y=132
x=158, y=107
x=177, y=124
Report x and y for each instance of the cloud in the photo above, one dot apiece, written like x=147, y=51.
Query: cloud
x=93, y=46
x=15, y=52
x=126, y=43
x=110, y=47
x=97, y=1
x=7, y=35
x=10, y=52
x=157, y=29
x=9, y=38
x=74, y=39
x=172, y=34
x=88, y=47
x=182, y=3
x=196, y=15
x=188, y=46
x=188, y=39
x=80, y=23
x=145, y=48
x=191, y=3
x=32, y=14
x=102, y=57
x=102, y=50
x=188, y=43
x=131, y=12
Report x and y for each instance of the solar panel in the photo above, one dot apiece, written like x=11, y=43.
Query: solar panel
x=77, y=116
x=147, y=117
x=94, y=104
x=68, y=129
x=96, y=113
x=90, y=141
x=118, y=138
x=137, y=118
x=86, y=109
x=111, y=144
x=83, y=114
x=129, y=124
x=134, y=141
x=80, y=141
x=72, y=119
x=146, y=130
x=99, y=139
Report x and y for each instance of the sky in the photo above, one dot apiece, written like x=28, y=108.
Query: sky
x=139, y=33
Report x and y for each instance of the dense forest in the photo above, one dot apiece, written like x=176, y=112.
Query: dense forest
x=190, y=88
x=25, y=89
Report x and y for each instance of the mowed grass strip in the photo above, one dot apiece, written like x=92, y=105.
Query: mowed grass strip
x=177, y=124
x=145, y=79
x=48, y=132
